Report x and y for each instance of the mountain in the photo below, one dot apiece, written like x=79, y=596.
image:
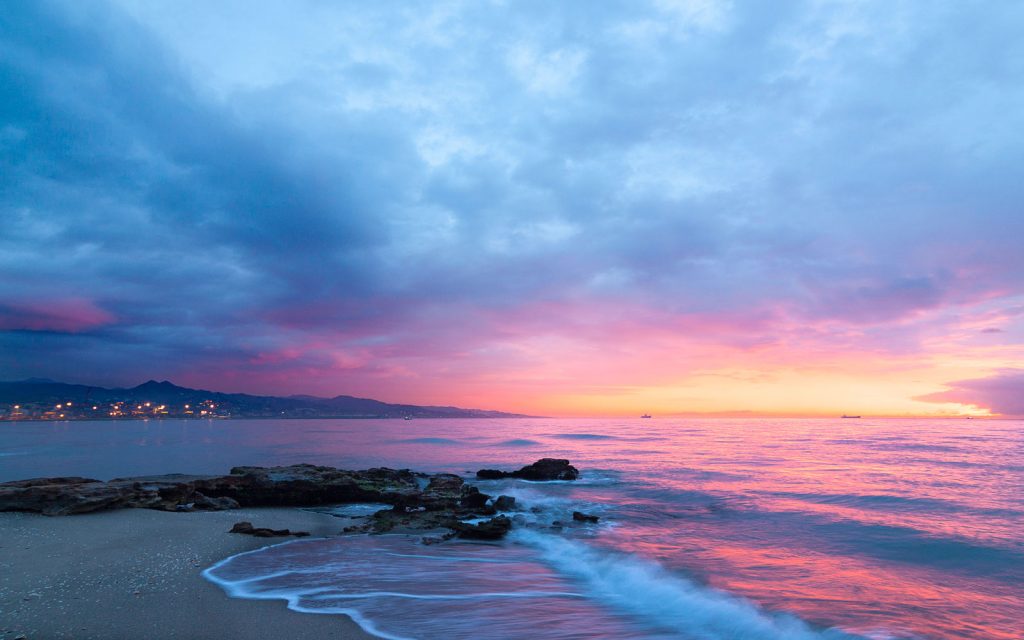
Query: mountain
x=45, y=399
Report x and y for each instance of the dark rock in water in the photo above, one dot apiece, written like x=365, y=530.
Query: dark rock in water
x=444, y=483
x=579, y=516
x=505, y=503
x=548, y=469
x=444, y=491
x=493, y=529
x=263, y=532
x=387, y=520
x=543, y=470
x=492, y=474
x=471, y=498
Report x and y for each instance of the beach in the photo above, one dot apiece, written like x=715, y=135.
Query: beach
x=136, y=573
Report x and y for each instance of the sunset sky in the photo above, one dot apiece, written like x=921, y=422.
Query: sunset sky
x=579, y=208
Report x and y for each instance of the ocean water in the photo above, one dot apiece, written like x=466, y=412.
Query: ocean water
x=714, y=529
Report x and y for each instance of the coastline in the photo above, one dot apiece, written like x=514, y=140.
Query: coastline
x=136, y=573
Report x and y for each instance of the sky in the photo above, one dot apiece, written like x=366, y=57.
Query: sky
x=568, y=208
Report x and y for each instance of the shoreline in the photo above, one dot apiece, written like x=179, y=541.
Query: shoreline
x=137, y=573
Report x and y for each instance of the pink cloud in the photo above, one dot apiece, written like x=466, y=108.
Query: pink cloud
x=1002, y=393
x=67, y=315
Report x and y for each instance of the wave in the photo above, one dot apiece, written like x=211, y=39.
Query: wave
x=350, y=510
x=427, y=441
x=396, y=589
x=519, y=442
x=646, y=590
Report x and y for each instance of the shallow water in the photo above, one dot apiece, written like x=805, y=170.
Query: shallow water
x=710, y=529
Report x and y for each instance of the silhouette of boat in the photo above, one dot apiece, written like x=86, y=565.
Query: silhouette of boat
x=646, y=415
x=846, y=416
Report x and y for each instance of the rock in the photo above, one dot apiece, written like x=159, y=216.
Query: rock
x=388, y=520
x=444, y=491
x=61, y=496
x=296, y=485
x=223, y=503
x=493, y=529
x=437, y=539
x=263, y=532
x=548, y=469
x=306, y=484
x=471, y=498
x=505, y=503
x=444, y=483
x=491, y=474
x=544, y=469
x=579, y=516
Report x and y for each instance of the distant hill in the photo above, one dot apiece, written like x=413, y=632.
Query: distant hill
x=39, y=399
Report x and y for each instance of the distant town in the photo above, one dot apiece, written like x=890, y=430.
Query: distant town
x=69, y=410
x=47, y=400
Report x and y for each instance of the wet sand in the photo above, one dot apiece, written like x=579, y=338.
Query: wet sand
x=135, y=573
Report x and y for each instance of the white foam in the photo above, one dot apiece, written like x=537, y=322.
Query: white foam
x=240, y=589
x=396, y=589
x=647, y=591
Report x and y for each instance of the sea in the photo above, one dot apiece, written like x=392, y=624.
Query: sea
x=709, y=529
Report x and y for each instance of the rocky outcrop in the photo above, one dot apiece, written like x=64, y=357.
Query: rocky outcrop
x=504, y=503
x=471, y=498
x=446, y=503
x=545, y=469
x=62, y=496
x=263, y=532
x=296, y=485
x=579, y=516
x=205, y=503
x=493, y=529
x=306, y=484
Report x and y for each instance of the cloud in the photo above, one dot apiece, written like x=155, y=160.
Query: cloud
x=1001, y=393
x=342, y=194
x=70, y=315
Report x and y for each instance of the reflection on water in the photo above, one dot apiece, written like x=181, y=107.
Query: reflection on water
x=898, y=528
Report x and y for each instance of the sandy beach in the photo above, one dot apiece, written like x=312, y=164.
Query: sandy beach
x=135, y=573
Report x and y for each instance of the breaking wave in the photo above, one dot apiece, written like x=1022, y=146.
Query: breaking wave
x=663, y=599
x=397, y=589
